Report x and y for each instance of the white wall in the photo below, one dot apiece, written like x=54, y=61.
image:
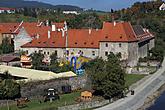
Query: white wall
x=87, y=52
x=115, y=48
x=21, y=39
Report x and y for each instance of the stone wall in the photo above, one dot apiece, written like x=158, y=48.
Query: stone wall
x=151, y=44
x=114, y=47
x=143, y=49
x=84, y=105
x=133, y=54
x=33, y=89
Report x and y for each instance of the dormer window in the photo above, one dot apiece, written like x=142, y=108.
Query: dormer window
x=106, y=37
x=121, y=37
x=53, y=42
x=92, y=43
x=39, y=42
x=44, y=42
x=85, y=43
x=75, y=43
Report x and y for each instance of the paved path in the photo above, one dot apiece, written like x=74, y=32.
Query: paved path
x=148, y=87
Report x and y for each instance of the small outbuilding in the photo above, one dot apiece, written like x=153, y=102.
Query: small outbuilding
x=9, y=60
x=86, y=95
x=26, y=61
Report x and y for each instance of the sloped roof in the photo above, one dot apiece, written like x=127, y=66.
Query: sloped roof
x=87, y=38
x=32, y=74
x=8, y=27
x=118, y=32
x=32, y=28
x=55, y=41
x=5, y=8
x=138, y=29
x=9, y=58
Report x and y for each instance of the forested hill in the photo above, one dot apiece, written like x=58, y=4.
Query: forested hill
x=35, y=4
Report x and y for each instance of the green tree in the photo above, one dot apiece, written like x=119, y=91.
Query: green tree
x=6, y=46
x=9, y=88
x=53, y=58
x=114, y=82
x=37, y=59
x=107, y=76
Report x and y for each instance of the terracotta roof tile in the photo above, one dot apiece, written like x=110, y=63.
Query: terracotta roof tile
x=84, y=38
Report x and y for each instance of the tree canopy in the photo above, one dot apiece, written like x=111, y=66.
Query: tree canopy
x=107, y=76
x=37, y=59
x=9, y=88
x=6, y=46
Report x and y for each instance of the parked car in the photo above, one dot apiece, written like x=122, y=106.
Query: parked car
x=52, y=94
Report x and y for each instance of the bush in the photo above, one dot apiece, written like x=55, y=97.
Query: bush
x=9, y=89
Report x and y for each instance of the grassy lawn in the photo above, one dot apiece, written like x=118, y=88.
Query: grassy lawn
x=133, y=78
x=65, y=99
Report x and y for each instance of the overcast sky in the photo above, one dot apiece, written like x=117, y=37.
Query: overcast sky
x=105, y=5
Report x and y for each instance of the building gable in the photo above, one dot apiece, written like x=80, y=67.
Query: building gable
x=21, y=39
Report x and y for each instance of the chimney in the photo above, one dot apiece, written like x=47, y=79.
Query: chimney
x=63, y=32
x=47, y=22
x=90, y=31
x=65, y=26
x=48, y=34
x=37, y=36
x=114, y=23
x=53, y=27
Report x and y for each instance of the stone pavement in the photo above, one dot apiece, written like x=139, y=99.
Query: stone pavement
x=146, y=88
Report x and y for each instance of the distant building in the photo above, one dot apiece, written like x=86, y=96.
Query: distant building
x=7, y=10
x=162, y=7
x=132, y=42
x=9, y=60
x=71, y=12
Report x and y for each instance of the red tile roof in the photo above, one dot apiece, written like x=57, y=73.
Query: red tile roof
x=32, y=28
x=82, y=38
x=5, y=8
x=55, y=41
x=8, y=27
x=118, y=32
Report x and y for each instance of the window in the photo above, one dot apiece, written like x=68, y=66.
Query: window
x=44, y=53
x=55, y=52
x=93, y=53
x=35, y=51
x=106, y=45
x=106, y=53
x=119, y=44
x=48, y=53
x=40, y=51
